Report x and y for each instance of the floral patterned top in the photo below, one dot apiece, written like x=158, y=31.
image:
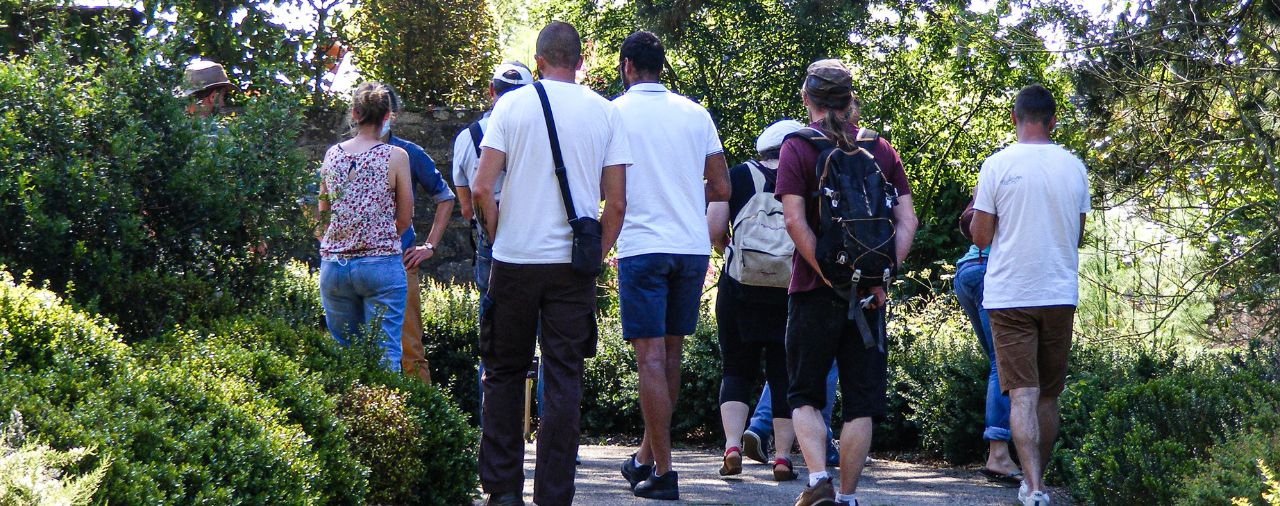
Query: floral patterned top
x=362, y=206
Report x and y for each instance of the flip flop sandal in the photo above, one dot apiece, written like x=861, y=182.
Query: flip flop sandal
x=785, y=475
x=998, y=477
x=732, y=462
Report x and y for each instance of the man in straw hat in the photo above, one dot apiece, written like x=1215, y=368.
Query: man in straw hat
x=206, y=83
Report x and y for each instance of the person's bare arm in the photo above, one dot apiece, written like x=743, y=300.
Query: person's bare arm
x=793, y=213
x=718, y=225
x=419, y=254
x=482, y=187
x=464, y=202
x=716, y=173
x=983, y=228
x=402, y=185
x=613, y=185
x=905, y=224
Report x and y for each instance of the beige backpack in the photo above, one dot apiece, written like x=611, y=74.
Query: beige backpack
x=760, y=249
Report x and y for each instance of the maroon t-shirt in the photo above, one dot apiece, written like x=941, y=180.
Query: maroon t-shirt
x=798, y=175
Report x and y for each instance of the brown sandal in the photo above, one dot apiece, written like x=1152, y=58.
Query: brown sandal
x=732, y=462
x=785, y=475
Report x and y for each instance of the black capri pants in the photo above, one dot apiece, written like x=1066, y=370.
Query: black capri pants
x=748, y=331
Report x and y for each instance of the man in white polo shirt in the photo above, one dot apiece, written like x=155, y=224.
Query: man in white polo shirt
x=533, y=279
x=664, y=246
x=1030, y=206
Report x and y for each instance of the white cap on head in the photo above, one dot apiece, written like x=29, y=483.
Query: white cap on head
x=773, y=136
x=512, y=73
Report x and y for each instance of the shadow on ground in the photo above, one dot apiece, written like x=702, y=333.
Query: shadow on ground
x=885, y=482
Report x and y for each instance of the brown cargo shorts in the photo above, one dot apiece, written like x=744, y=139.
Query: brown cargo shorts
x=1032, y=346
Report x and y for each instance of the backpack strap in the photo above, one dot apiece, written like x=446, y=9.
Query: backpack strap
x=476, y=135
x=758, y=179
x=814, y=137
x=867, y=135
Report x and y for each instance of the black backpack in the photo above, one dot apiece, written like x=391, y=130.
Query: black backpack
x=855, y=233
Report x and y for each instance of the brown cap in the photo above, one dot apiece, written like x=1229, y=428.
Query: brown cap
x=829, y=81
x=202, y=75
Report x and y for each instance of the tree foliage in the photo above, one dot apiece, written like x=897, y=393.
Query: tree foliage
x=437, y=53
x=1184, y=114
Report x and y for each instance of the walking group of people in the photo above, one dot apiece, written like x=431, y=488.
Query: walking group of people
x=812, y=231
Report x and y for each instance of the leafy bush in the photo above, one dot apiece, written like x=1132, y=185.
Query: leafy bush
x=244, y=410
x=35, y=474
x=1232, y=468
x=129, y=206
x=441, y=443
x=452, y=335
x=432, y=53
x=1147, y=435
x=937, y=382
x=380, y=427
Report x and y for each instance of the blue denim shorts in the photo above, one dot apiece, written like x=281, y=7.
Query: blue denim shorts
x=659, y=294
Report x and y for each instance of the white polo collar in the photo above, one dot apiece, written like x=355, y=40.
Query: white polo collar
x=647, y=87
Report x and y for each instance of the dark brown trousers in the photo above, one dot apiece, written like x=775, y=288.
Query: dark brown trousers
x=521, y=298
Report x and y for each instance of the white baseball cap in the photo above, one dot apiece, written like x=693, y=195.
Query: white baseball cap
x=773, y=136
x=513, y=73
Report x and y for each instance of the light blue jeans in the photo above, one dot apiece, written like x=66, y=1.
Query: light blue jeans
x=968, y=285
x=357, y=290
x=762, y=419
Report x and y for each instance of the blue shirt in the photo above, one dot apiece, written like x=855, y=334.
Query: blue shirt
x=422, y=170
x=974, y=253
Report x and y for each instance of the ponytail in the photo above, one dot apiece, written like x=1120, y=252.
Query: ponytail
x=834, y=125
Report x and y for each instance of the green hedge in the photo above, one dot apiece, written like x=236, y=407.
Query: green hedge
x=130, y=207
x=246, y=410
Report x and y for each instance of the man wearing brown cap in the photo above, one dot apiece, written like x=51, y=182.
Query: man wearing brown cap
x=818, y=323
x=206, y=83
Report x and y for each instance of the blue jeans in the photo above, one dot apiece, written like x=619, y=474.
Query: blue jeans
x=355, y=291
x=762, y=419
x=968, y=285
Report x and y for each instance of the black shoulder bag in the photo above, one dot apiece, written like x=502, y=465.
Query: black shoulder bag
x=587, y=232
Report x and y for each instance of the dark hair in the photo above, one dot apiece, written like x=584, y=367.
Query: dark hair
x=396, y=104
x=771, y=154
x=838, y=111
x=500, y=87
x=559, y=45
x=371, y=102
x=1035, y=104
x=645, y=52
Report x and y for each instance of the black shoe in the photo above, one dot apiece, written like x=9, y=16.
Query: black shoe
x=665, y=487
x=633, y=473
x=507, y=499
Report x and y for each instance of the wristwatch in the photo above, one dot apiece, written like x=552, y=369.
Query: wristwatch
x=429, y=246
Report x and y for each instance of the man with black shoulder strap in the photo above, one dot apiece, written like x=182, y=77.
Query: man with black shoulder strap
x=563, y=149
x=823, y=322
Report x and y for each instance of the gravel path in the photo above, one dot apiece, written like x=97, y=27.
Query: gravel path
x=885, y=482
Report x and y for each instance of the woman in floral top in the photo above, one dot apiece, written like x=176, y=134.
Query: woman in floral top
x=367, y=203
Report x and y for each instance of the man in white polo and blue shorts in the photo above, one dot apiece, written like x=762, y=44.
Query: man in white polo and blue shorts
x=664, y=246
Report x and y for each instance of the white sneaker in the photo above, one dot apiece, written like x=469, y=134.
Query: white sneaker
x=1023, y=492
x=1037, y=498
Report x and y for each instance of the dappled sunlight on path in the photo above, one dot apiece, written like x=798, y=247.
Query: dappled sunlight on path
x=885, y=482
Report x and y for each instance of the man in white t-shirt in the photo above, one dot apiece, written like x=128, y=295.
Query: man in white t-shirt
x=664, y=246
x=532, y=281
x=1030, y=208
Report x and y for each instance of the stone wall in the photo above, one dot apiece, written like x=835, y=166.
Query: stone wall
x=434, y=130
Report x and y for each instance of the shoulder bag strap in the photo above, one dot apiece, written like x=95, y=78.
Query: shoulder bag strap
x=561, y=174
x=476, y=135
